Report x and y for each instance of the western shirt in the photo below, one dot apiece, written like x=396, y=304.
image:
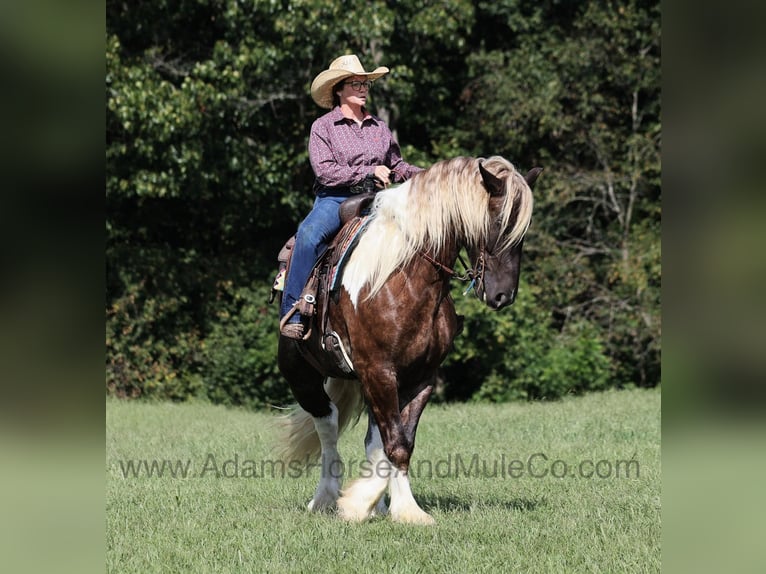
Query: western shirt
x=343, y=152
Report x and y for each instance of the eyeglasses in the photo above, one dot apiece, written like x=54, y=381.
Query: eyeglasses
x=358, y=85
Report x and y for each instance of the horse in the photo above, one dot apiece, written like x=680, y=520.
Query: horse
x=396, y=322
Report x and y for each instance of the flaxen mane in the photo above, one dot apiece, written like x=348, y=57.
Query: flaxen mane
x=444, y=203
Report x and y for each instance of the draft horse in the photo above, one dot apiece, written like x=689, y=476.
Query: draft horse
x=396, y=321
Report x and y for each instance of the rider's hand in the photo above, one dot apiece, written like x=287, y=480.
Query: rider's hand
x=383, y=174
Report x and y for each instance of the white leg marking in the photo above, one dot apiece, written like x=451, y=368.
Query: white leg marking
x=363, y=498
x=374, y=451
x=403, y=505
x=328, y=488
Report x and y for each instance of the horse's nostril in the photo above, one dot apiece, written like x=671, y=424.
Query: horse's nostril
x=502, y=299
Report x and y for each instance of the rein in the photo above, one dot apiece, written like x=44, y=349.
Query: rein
x=473, y=274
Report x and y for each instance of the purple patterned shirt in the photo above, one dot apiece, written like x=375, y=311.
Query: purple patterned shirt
x=342, y=153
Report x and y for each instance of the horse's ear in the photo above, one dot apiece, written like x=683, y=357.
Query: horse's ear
x=495, y=185
x=532, y=174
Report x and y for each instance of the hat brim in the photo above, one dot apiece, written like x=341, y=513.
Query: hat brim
x=321, y=87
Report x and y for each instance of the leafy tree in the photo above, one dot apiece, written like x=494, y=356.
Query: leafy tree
x=579, y=95
x=208, y=113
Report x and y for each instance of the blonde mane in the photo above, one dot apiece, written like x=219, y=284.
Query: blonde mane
x=447, y=202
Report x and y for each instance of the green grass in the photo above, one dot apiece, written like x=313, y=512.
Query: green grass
x=484, y=523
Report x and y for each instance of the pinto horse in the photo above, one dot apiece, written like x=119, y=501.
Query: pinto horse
x=396, y=322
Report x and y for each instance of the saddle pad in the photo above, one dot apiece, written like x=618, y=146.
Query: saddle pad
x=346, y=246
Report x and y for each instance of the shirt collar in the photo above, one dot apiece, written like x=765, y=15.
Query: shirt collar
x=338, y=117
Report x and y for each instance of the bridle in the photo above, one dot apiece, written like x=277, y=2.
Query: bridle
x=474, y=274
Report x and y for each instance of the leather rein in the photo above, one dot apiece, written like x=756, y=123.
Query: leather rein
x=473, y=274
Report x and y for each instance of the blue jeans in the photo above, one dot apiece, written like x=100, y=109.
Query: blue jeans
x=314, y=233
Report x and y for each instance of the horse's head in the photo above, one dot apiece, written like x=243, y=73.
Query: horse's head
x=498, y=259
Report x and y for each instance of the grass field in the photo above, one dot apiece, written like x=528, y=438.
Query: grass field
x=568, y=486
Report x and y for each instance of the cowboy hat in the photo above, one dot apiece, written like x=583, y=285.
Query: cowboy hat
x=343, y=67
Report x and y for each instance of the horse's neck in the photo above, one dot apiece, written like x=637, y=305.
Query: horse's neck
x=449, y=252
x=445, y=258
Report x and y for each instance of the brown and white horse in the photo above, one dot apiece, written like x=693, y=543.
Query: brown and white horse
x=396, y=322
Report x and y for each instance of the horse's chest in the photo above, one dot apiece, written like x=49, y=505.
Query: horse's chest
x=433, y=335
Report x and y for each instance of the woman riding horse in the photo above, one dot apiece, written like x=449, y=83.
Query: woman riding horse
x=347, y=147
x=396, y=321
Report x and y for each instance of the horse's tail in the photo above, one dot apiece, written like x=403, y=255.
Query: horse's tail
x=299, y=440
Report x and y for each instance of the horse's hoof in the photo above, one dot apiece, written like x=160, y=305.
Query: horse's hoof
x=413, y=516
x=321, y=505
x=313, y=507
x=350, y=513
x=380, y=510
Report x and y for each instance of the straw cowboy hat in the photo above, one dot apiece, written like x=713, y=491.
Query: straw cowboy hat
x=343, y=67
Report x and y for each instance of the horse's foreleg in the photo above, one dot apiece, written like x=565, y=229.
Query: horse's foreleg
x=389, y=450
x=363, y=498
x=412, y=410
x=404, y=508
x=373, y=446
x=389, y=445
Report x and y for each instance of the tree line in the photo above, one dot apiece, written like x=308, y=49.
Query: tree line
x=207, y=119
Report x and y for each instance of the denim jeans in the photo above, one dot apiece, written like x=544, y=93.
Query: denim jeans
x=314, y=233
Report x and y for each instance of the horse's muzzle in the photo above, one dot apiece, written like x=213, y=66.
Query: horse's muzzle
x=497, y=301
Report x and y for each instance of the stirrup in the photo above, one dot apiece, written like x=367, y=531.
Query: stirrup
x=293, y=330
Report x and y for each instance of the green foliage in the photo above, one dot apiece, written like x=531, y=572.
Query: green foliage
x=234, y=364
x=207, y=117
x=240, y=353
x=579, y=95
x=518, y=355
x=146, y=355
